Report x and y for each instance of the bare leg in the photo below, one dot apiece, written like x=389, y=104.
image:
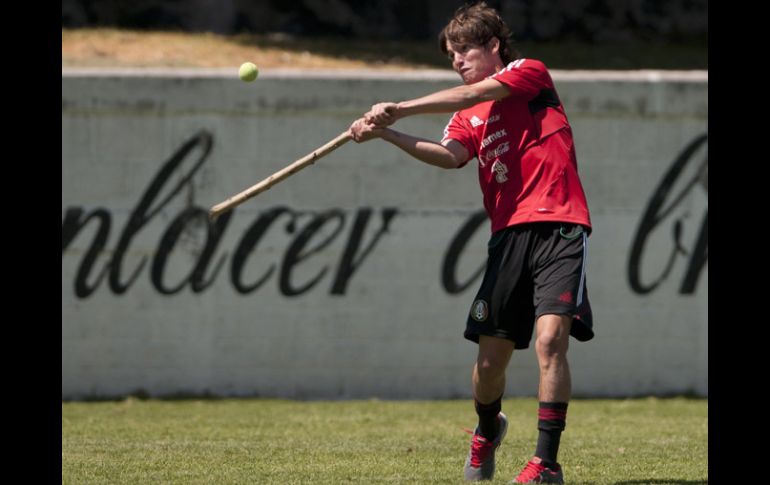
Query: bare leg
x=551, y=346
x=555, y=385
x=488, y=387
x=489, y=370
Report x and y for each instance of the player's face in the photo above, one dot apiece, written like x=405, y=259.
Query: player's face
x=474, y=63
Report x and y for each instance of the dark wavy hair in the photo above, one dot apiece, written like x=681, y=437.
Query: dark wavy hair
x=475, y=25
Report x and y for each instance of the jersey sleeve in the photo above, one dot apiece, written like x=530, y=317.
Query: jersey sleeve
x=525, y=78
x=457, y=129
x=530, y=82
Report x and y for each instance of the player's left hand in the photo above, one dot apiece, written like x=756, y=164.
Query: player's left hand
x=382, y=114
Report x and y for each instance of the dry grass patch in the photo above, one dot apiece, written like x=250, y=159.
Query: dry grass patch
x=128, y=48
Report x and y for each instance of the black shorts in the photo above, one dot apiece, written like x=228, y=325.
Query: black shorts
x=532, y=270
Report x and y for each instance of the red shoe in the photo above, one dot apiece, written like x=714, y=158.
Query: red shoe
x=480, y=464
x=537, y=473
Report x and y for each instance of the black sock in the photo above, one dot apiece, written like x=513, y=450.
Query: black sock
x=488, y=422
x=551, y=420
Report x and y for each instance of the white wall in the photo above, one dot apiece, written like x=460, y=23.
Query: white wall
x=391, y=329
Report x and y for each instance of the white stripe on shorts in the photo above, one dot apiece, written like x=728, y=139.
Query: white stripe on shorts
x=583, y=270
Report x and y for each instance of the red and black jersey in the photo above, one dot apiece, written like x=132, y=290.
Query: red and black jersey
x=523, y=143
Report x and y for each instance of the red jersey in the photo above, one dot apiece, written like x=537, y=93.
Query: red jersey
x=523, y=143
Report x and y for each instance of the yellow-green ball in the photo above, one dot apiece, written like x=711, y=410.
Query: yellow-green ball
x=248, y=71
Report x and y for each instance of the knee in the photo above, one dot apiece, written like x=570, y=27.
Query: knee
x=490, y=368
x=552, y=345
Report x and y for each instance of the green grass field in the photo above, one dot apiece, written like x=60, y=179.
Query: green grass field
x=234, y=441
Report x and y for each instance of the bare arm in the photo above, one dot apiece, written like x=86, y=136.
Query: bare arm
x=445, y=101
x=450, y=154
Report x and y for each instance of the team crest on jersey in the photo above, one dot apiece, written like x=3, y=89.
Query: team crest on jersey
x=479, y=310
x=500, y=171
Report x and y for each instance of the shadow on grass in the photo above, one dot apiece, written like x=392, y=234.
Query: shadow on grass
x=557, y=55
x=663, y=481
x=142, y=395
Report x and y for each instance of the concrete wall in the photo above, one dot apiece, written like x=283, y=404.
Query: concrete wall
x=349, y=279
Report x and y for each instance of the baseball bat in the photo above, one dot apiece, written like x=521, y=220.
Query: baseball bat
x=278, y=176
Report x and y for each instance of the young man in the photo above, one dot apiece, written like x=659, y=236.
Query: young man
x=508, y=116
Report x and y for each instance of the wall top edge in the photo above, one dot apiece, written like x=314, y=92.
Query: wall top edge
x=423, y=74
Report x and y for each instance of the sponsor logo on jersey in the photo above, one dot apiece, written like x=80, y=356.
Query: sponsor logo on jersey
x=498, y=150
x=494, y=136
x=476, y=121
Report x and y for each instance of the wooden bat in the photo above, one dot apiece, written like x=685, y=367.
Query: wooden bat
x=285, y=172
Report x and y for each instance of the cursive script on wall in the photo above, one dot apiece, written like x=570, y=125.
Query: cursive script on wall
x=309, y=238
x=359, y=231
x=660, y=208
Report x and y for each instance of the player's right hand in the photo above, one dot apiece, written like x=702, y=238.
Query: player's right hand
x=362, y=131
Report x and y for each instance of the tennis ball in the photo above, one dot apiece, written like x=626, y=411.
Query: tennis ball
x=248, y=71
